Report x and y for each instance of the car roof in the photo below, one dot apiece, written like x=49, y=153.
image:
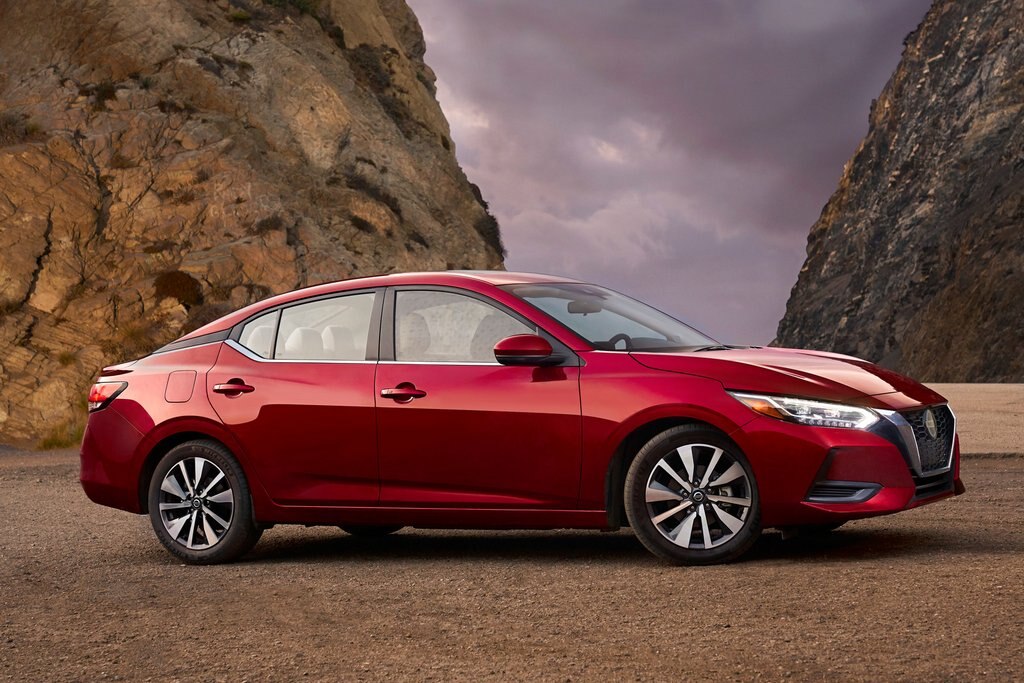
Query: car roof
x=452, y=278
x=504, y=277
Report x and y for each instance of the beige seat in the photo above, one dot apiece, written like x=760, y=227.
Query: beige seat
x=340, y=344
x=304, y=343
x=260, y=341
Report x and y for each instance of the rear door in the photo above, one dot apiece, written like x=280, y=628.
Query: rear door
x=295, y=386
x=480, y=434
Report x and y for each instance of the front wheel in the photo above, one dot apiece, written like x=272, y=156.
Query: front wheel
x=200, y=506
x=691, y=497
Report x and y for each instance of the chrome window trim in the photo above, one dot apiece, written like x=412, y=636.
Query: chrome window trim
x=442, y=362
x=260, y=359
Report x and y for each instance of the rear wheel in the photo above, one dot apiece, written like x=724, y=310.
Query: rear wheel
x=199, y=504
x=370, y=530
x=691, y=497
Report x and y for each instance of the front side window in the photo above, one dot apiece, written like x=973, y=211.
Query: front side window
x=327, y=329
x=444, y=327
x=608, y=320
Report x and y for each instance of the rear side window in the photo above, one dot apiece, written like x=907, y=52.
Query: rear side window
x=258, y=335
x=327, y=329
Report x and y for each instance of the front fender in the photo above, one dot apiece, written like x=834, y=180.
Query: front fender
x=680, y=412
x=620, y=397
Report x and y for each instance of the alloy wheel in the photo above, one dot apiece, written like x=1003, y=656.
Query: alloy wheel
x=698, y=496
x=196, y=503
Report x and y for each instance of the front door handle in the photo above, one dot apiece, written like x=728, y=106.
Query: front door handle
x=403, y=393
x=233, y=387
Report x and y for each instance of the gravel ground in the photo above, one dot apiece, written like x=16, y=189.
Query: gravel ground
x=990, y=417
x=937, y=593
x=87, y=593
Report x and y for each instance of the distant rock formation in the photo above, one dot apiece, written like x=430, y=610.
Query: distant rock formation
x=164, y=162
x=917, y=260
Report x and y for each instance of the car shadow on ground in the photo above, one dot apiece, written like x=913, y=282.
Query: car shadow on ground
x=844, y=545
x=429, y=546
x=854, y=544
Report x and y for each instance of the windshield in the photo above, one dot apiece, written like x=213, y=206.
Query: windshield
x=609, y=320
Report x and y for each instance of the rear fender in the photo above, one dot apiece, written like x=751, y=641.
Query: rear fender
x=202, y=427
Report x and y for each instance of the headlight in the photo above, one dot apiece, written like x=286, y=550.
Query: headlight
x=808, y=412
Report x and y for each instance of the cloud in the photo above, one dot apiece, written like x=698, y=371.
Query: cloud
x=676, y=150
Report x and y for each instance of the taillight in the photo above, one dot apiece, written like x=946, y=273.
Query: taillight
x=102, y=393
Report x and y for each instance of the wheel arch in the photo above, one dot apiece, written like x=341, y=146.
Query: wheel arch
x=158, y=451
x=178, y=432
x=626, y=451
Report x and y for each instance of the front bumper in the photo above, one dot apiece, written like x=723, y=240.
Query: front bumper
x=822, y=475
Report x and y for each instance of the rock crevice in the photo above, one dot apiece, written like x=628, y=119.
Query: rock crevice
x=917, y=260
x=246, y=146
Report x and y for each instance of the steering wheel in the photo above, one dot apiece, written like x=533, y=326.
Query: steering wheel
x=623, y=338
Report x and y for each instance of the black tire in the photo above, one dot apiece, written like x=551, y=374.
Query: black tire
x=730, y=544
x=371, y=530
x=241, y=533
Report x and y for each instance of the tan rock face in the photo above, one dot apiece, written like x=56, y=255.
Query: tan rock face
x=917, y=261
x=164, y=162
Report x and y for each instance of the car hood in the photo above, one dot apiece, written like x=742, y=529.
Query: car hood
x=794, y=372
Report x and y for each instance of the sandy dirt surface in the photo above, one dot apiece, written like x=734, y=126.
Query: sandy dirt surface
x=87, y=593
x=990, y=417
x=937, y=593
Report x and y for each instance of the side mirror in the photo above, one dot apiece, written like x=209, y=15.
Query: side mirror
x=525, y=349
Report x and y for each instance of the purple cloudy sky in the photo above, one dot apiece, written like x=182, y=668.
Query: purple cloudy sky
x=675, y=150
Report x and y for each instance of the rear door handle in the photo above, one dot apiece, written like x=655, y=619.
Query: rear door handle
x=403, y=393
x=233, y=387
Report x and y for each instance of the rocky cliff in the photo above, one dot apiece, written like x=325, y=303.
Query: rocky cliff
x=165, y=161
x=917, y=260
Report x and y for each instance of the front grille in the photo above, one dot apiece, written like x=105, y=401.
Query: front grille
x=935, y=451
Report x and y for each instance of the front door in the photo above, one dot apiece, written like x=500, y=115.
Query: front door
x=455, y=428
x=304, y=407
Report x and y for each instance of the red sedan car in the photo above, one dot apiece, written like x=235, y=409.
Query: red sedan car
x=498, y=400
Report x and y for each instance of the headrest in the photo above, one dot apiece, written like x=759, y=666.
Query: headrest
x=339, y=344
x=304, y=343
x=261, y=340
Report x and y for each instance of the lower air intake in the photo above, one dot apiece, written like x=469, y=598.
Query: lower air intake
x=841, y=492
